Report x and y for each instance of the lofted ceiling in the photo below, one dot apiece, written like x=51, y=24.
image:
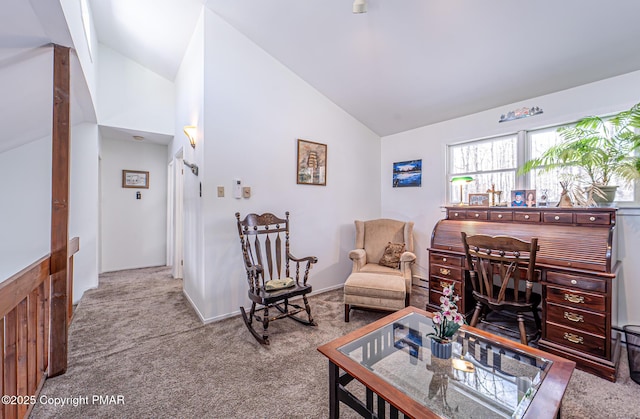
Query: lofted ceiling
x=402, y=65
x=409, y=63
x=27, y=29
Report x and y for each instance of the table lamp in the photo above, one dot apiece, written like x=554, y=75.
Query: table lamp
x=461, y=180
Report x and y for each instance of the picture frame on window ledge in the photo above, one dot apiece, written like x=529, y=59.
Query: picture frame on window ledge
x=478, y=199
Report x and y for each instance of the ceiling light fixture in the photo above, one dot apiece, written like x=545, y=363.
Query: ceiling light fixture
x=190, y=131
x=360, y=6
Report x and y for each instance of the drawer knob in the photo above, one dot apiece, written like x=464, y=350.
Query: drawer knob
x=444, y=284
x=573, y=338
x=592, y=218
x=499, y=215
x=444, y=259
x=572, y=298
x=477, y=215
x=574, y=282
x=444, y=271
x=557, y=217
x=455, y=214
x=573, y=317
x=526, y=217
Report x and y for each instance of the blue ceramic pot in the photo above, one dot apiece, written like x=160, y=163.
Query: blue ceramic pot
x=441, y=350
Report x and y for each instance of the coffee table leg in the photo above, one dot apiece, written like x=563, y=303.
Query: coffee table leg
x=334, y=400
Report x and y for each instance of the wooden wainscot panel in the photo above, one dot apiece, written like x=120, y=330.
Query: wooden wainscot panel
x=598, y=218
x=588, y=284
x=450, y=260
x=577, y=339
x=575, y=298
x=587, y=321
x=527, y=216
x=558, y=217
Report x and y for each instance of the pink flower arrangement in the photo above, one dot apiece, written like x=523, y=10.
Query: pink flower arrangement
x=447, y=321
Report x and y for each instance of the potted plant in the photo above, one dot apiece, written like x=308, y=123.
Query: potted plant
x=446, y=323
x=602, y=149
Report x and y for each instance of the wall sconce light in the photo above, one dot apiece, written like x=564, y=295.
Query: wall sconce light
x=360, y=6
x=191, y=131
x=461, y=180
x=192, y=166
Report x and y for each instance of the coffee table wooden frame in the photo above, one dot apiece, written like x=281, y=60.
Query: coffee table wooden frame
x=546, y=403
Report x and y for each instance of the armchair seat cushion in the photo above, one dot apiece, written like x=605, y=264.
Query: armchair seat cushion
x=378, y=286
x=375, y=268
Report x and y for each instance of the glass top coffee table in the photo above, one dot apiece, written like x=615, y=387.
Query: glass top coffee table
x=486, y=377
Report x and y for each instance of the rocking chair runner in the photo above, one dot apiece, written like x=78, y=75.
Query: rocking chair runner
x=264, y=252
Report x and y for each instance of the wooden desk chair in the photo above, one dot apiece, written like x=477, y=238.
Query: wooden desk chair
x=497, y=265
x=264, y=252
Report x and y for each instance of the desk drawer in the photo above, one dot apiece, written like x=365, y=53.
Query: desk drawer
x=434, y=301
x=577, y=339
x=437, y=283
x=558, y=217
x=587, y=321
x=446, y=259
x=446, y=271
x=573, y=298
x=575, y=281
x=501, y=216
x=457, y=214
x=594, y=218
x=477, y=215
x=531, y=217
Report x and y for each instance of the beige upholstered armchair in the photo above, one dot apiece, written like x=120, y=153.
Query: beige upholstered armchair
x=381, y=274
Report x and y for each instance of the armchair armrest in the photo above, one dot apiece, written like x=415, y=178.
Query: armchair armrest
x=406, y=260
x=359, y=258
x=407, y=257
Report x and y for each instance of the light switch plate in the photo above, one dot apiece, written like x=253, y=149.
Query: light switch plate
x=246, y=191
x=220, y=191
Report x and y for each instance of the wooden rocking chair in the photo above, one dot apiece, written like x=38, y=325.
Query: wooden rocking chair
x=264, y=252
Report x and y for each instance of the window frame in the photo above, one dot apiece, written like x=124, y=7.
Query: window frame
x=524, y=152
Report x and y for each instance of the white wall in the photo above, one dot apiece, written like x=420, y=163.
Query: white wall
x=83, y=206
x=429, y=143
x=255, y=109
x=25, y=212
x=131, y=96
x=133, y=231
x=190, y=109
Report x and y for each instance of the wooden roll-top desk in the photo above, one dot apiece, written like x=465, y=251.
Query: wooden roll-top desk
x=578, y=267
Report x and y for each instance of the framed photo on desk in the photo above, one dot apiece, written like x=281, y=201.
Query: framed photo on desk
x=479, y=199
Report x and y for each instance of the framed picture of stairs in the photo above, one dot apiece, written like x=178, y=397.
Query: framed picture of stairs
x=312, y=163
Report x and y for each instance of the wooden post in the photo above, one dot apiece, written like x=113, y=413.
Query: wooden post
x=59, y=211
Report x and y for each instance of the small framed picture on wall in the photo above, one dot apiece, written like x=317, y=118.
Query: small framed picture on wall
x=135, y=179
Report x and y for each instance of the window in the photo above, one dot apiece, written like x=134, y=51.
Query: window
x=495, y=161
x=488, y=162
x=86, y=23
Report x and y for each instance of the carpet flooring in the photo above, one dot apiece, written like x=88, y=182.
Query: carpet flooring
x=138, y=350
